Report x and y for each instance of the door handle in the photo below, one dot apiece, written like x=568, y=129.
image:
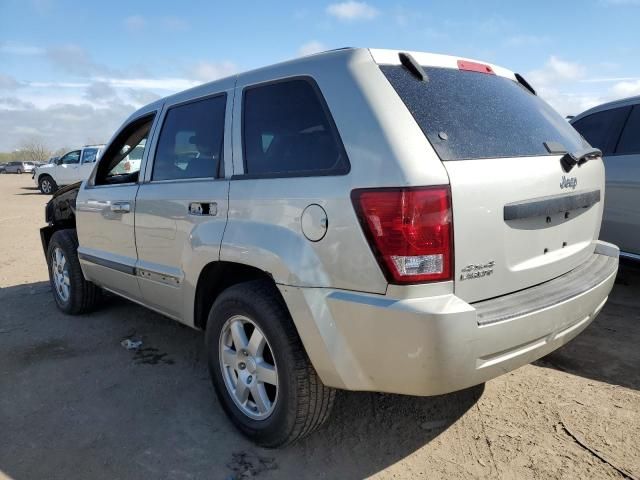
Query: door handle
x=203, y=208
x=121, y=207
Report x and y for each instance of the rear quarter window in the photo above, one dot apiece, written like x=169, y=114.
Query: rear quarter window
x=469, y=115
x=629, y=143
x=602, y=129
x=288, y=131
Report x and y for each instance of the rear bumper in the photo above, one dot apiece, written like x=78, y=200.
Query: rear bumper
x=435, y=345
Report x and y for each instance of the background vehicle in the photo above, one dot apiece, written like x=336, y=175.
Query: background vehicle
x=71, y=167
x=327, y=230
x=19, y=167
x=2, y=168
x=131, y=162
x=614, y=128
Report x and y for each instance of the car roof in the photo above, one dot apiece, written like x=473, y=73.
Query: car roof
x=623, y=102
x=339, y=55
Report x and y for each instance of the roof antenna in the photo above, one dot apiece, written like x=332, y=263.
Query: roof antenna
x=414, y=67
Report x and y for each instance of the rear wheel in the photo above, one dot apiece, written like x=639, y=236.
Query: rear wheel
x=19, y=172
x=47, y=185
x=259, y=368
x=73, y=294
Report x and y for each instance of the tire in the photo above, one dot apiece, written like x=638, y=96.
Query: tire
x=47, y=185
x=80, y=296
x=19, y=172
x=301, y=403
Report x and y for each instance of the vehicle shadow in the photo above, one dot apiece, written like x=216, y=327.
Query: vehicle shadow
x=75, y=402
x=609, y=349
x=31, y=191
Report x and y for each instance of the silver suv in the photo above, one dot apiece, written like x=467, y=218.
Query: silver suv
x=358, y=219
x=615, y=129
x=19, y=167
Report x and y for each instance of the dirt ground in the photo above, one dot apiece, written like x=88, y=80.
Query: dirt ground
x=75, y=404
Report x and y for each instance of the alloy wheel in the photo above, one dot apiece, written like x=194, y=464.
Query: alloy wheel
x=248, y=367
x=60, y=274
x=46, y=186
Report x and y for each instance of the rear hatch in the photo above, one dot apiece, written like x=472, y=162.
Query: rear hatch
x=519, y=219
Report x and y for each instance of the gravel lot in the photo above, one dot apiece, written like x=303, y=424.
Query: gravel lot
x=75, y=404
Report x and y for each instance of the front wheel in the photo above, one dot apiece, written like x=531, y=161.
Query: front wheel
x=19, y=172
x=47, y=185
x=73, y=294
x=259, y=368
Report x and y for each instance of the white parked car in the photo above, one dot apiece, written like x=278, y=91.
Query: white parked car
x=71, y=167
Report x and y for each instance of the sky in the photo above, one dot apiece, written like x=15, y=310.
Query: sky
x=72, y=71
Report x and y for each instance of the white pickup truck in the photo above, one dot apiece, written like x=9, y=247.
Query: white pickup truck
x=72, y=167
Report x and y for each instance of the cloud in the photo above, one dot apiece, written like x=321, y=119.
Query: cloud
x=626, y=88
x=208, y=71
x=141, y=97
x=556, y=70
x=608, y=79
x=100, y=92
x=567, y=86
x=352, y=10
x=60, y=124
x=75, y=60
x=14, y=48
x=13, y=103
x=135, y=23
x=172, y=84
x=311, y=47
x=7, y=82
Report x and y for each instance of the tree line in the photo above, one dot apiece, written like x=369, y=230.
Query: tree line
x=32, y=150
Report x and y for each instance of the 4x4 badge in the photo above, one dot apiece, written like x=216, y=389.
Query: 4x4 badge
x=476, y=271
x=571, y=182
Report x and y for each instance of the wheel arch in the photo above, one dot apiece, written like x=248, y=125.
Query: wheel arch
x=41, y=175
x=216, y=277
x=60, y=213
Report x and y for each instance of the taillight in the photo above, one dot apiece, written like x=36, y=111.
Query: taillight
x=410, y=231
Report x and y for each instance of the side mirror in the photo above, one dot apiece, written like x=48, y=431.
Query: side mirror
x=58, y=161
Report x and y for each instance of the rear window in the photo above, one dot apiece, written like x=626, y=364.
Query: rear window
x=468, y=115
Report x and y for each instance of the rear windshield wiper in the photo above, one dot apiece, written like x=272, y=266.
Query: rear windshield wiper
x=571, y=159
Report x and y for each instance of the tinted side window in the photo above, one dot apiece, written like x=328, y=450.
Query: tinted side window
x=71, y=158
x=89, y=155
x=630, y=139
x=191, y=141
x=602, y=129
x=288, y=130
